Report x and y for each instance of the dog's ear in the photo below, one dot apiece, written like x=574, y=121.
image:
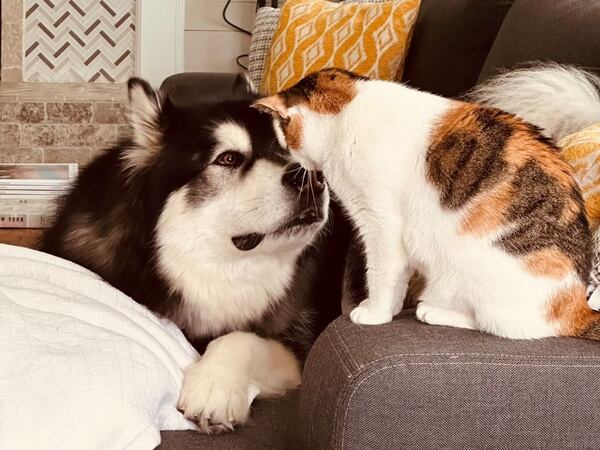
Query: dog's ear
x=274, y=105
x=244, y=87
x=145, y=106
x=144, y=112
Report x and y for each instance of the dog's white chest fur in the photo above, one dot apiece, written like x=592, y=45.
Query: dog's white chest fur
x=214, y=302
x=221, y=289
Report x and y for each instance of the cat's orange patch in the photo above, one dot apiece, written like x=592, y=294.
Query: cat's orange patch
x=525, y=146
x=293, y=132
x=569, y=309
x=570, y=211
x=487, y=211
x=464, y=155
x=459, y=117
x=549, y=262
x=334, y=90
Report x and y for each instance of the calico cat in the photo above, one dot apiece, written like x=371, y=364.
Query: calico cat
x=474, y=198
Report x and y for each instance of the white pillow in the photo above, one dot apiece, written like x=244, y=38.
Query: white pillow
x=82, y=366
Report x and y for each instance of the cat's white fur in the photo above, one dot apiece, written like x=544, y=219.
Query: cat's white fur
x=559, y=99
x=372, y=154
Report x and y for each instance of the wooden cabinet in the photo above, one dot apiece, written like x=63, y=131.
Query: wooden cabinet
x=23, y=237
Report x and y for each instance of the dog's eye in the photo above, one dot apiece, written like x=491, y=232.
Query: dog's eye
x=230, y=159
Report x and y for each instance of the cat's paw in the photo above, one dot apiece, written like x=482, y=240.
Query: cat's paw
x=434, y=315
x=425, y=313
x=397, y=308
x=367, y=314
x=214, y=397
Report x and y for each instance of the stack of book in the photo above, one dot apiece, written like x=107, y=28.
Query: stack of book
x=29, y=193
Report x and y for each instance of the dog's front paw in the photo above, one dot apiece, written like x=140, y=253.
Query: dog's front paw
x=367, y=314
x=214, y=396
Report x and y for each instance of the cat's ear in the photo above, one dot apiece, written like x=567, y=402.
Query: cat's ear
x=274, y=105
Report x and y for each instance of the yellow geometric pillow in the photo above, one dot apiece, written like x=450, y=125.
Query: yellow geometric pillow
x=370, y=39
x=582, y=151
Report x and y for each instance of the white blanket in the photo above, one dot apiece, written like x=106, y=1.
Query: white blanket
x=82, y=366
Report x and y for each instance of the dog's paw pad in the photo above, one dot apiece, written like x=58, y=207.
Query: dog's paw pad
x=215, y=400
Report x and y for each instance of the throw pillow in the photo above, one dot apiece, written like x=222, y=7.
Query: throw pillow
x=582, y=151
x=370, y=39
x=265, y=24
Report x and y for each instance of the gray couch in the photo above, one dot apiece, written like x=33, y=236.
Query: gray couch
x=409, y=385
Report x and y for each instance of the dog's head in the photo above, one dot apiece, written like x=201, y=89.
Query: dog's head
x=229, y=188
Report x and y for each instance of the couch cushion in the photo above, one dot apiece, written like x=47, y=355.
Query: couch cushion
x=451, y=42
x=564, y=31
x=189, y=89
x=272, y=426
x=411, y=385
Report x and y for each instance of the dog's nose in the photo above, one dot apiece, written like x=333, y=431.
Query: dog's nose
x=303, y=180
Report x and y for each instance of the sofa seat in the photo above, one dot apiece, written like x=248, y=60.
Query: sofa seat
x=272, y=426
x=408, y=385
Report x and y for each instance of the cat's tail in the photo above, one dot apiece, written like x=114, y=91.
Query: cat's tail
x=559, y=99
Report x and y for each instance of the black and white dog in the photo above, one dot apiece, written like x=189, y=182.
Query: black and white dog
x=201, y=217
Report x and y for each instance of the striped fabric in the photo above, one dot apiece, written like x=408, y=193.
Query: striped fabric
x=262, y=35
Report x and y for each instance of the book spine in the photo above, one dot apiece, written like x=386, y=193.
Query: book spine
x=42, y=172
x=21, y=192
x=25, y=220
x=35, y=186
x=20, y=200
x=34, y=181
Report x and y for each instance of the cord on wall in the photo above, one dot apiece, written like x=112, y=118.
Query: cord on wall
x=233, y=25
x=237, y=61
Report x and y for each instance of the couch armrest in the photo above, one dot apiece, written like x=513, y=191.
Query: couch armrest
x=190, y=88
x=410, y=385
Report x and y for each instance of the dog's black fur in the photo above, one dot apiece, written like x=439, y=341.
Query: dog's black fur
x=108, y=222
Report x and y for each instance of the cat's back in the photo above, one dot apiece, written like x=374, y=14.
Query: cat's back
x=504, y=180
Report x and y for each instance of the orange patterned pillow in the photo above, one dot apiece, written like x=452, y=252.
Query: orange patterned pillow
x=370, y=39
x=582, y=151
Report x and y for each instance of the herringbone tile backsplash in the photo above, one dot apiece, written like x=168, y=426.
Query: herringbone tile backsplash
x=78, y=40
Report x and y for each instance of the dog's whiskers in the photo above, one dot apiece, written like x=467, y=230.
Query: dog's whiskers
x=312, y=192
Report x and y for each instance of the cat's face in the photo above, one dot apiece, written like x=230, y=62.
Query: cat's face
x=306, y=114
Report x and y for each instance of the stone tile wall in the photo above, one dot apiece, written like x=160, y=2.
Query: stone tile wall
x=58, y=129
x=63, y=122
x=11, y=62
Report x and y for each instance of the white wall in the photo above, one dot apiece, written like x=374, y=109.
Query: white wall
x=210, y=45
x=159, y=39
